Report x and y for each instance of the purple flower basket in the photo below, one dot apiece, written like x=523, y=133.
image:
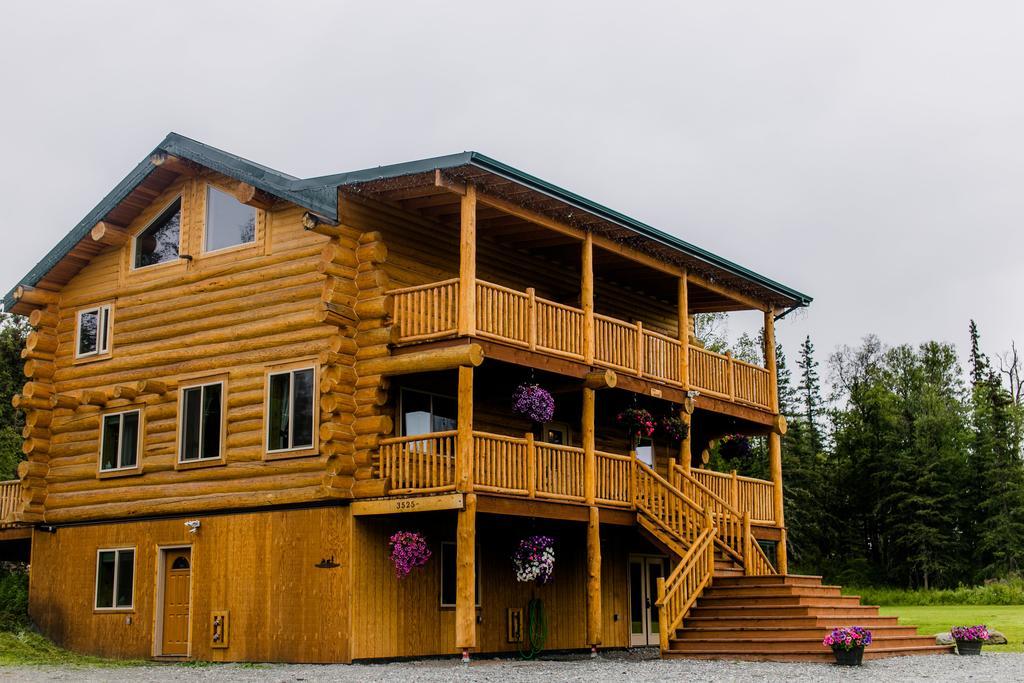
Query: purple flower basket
x=533, y=402
x=408, y=551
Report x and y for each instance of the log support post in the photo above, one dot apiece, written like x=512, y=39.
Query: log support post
x=685, y=452
x=465, y=578
x=589, y=456
x=683, y=317
x=775, y=438
x=594, y=579
x=467, y=263
x=587, y=297
x=464, y=452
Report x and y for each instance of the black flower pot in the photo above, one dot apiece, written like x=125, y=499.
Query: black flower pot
x=852, y=657
x=969, y=647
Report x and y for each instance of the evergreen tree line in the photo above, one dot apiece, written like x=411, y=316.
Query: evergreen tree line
x=908, y=473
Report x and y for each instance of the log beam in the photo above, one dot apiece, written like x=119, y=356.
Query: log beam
x=250, y=195
x=443, y=358
x=109, y=234
x=465, y=576
x=594, y=578
x=314, y=223
x=600, y=379
x=33, y=296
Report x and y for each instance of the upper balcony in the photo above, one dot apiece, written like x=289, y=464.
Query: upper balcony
x=523, y=319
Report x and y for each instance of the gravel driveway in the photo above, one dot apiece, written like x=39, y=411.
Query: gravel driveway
x=634, y=665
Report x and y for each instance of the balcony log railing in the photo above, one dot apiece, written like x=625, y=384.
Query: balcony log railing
x=744, y=494
x=431, y=311
x=419, y=464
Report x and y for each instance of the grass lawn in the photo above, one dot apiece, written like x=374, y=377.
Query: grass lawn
x=28, y=647
x=934, y=619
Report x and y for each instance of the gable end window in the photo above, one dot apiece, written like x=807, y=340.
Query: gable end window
x=92, y=332
x=115, y=578
x=201, y=412
x=229, y=223
x=290, y=410
x=160, y=241
x=119, y=442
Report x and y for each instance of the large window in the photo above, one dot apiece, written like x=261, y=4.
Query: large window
x=202, y=422
x=449, y=574
x=290, y=410
x=115, y=578
x=92, y=332
x=159, y=243
x=423, y=413
x=119, y=442
x=228, y=221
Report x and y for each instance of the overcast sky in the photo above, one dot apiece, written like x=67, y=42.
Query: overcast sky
x=870, y=154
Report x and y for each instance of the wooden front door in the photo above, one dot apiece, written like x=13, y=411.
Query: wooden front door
x=177, y=594
x=644, y=572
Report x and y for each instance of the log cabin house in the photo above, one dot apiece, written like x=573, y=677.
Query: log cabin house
x=242, y=383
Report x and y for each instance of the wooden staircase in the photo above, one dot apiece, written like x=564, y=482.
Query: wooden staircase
x=783, y=618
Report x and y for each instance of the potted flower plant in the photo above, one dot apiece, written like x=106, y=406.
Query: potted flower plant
x=969, y=639
x=674, y=428
x=408, y=551
x=638, y=422
x=848, y=644
x=533, y=402
x=534, y=559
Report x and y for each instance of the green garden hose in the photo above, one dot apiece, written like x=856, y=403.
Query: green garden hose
x=536, y=630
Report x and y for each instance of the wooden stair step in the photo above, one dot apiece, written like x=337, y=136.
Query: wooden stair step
x=800, y=621
x=761, y=589
x=777, y=632
x=779, y=599
x=823, y=656
x=787, y=645
x=773, y=579
x=851, y=611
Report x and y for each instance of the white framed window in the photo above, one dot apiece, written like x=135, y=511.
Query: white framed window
x=201, y=411
x=449, y=571
x=119, y=440
x=645, y=451
x=291, y=410
x=423, y=412
x=160, y=241
x=115, y=578
x=92, y=332
x=229, y=222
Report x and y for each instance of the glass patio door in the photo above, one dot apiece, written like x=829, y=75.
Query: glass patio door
x=644, y=572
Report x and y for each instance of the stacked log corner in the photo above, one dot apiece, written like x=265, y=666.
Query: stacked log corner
x=337, y=377
x=373, y=420
x=35, y=401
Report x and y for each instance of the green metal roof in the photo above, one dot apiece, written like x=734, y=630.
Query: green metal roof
x=319, y=195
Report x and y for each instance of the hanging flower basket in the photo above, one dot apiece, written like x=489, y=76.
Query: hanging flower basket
x=408, y=551
x=969, y=639
x=674, y=428
x=534, y=560
x=735, y=447
x=533, y=402
x=638, y=422
x=848, y=644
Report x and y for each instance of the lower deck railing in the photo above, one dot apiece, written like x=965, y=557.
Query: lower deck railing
x=10, y=497
x=521, y=318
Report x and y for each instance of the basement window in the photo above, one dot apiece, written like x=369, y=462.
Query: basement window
x=449, y=572
x=160, y=240
x=115, y=578
x=290, y=410
x=119, y=442
x=202, y=422
x=229, y=223
x=92, y=333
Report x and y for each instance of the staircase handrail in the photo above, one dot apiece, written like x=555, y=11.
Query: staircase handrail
x=679, y=590
x=692, y=510
x=748, y=549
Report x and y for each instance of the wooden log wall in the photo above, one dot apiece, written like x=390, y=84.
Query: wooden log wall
x=226, y=315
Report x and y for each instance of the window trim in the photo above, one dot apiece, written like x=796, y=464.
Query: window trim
x=180, y=427
x=476, y=571
x=206, y=224
x=299, y=451
x=103, y=333
x=96, y=582
x=120, y=470
x=180, y=196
